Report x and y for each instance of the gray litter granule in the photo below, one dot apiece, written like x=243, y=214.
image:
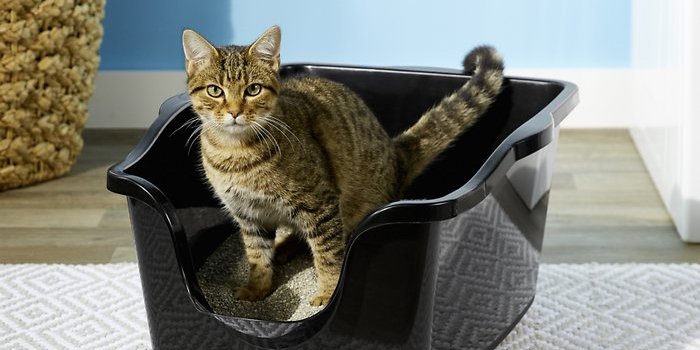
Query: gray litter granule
x=294, y=284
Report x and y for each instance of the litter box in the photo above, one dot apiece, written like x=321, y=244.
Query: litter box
x=451, y=266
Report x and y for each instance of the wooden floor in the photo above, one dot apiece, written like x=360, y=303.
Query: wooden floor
x=603, y=208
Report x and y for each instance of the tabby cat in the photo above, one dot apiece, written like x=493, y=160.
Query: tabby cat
x=305, y=155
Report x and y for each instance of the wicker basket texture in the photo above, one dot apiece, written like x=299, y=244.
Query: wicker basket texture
x=48, y=60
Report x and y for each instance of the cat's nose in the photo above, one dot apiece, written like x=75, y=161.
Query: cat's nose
x=229, y=119
x=240, y=120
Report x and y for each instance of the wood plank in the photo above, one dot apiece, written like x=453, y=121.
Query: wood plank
x=123, y=254
x=114, y=216
x=56, y=255
x=57, y=218
x=61, y=198
x=18, y=237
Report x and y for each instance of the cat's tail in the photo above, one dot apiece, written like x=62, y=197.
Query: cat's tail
x=439, y=126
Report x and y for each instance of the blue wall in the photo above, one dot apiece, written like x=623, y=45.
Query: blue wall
x=530, y=34
x=147, y=34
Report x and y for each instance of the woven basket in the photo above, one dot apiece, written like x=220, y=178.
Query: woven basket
x=48, y=60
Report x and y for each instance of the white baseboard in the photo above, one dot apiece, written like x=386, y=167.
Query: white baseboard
x=130, y=99
x=605, y=95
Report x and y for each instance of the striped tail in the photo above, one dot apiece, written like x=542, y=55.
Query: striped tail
x=439, y=126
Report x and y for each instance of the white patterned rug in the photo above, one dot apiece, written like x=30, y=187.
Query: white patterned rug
x=586, y=306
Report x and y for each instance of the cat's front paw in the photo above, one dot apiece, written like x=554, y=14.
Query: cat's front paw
x=249, y=294
x=320, y=299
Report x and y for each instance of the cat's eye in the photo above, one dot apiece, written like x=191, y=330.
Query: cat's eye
x=214, y=91
x=253, y=89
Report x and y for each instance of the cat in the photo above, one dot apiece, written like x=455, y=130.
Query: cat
x=305, y=155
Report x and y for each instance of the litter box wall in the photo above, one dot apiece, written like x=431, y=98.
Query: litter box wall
x=454, y=270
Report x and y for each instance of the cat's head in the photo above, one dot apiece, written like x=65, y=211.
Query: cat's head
x=233, y=88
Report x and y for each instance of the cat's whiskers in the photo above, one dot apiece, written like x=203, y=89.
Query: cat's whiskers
x=274, y=120
x=257, y=134
x=269, y=122
x=197, y=133
x=193, y=137
x=186, y=124
x=261, y=136
x=268, y=133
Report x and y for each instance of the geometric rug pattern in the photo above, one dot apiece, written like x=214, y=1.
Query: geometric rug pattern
x=72, y=307
x=578, y=306
x=627, y=306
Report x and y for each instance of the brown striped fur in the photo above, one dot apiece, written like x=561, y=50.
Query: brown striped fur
x=305, y=158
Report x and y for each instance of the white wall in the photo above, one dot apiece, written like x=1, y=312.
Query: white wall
x=666, y=83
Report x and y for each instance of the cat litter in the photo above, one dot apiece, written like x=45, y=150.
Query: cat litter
x=294, y=284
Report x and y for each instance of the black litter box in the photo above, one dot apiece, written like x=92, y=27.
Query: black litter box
x=453, y=266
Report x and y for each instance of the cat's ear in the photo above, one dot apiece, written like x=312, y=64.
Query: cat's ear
x=198, y=51
x=267, y=47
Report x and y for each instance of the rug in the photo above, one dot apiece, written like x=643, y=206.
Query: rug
x=583, y=306
x=72, y=307
x=626, y=306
